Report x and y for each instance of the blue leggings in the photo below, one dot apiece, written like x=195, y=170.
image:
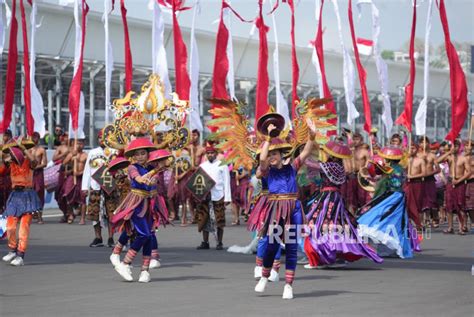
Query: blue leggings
x=143, y=227
x=124, y=237
x=291, y=248
x=262, y=246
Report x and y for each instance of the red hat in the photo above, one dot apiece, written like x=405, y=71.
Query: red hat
x=118, y=163
x=17, y=155
x=140, y=143
x=210, y=148
x=337, y=149
x=391, y=153
x=435, y=146
x=157, y=155
x=100, y=133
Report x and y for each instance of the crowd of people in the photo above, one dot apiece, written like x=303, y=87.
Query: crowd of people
x=334, y=203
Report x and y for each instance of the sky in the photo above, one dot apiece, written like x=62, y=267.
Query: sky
x=395, y=16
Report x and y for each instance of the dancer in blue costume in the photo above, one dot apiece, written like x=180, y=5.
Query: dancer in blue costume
x=283, y=211
x=141, y=210
x=384, y=220
x=333, y=238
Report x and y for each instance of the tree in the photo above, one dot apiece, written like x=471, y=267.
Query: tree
x=388, y=55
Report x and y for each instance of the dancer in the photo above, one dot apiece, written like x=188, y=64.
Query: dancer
x=21, y=204
x=414, y=185
x=140, y=210
x=283, y=209
x=429, y=204
x=384, y=219
x=240, y=183
x=39, y=153
x=75, y=163
x=59, y=156
x=469, y=187
x=333, y=237
x=92, y=190
x=219, y=197
x=159, y=159
x=361, y=155
x=459, y=171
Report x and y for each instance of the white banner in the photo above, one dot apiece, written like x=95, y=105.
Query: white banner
x=194, y=116
x=159, y=61
x=347, y=72
x=109, y=59
x=3, y=27
x=37, y=109
x=314, y=56
x=420, y=117
x=281, y=103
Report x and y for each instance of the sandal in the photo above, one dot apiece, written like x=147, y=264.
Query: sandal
x=70, y=219
x=448, y=231
x=236, y=223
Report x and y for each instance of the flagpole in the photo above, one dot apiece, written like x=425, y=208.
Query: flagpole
x=470, y=130
x=74, y=166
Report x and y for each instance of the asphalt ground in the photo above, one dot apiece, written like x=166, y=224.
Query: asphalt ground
x=62, y=276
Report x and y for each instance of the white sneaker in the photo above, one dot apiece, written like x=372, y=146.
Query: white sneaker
x=10, y=256
x=154, y=264
x=124, y=271
x=288, y=292
x=310, y=267
x=144, y=277
x=115, y=259
x=262, y=283
x=18, y=261
x=257, y=272
x=274, y=276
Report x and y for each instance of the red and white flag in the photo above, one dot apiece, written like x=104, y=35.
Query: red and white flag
x=364, y=46
x=76, y=99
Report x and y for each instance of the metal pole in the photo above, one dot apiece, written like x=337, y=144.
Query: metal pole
x=338, y=110
x=91, y=110
x=446, y=118
x=50, y=119
x=22, y=104
x=436, y=123
x=121, y=86
x=58, y=96
x=381, y=131
x=92, y=74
